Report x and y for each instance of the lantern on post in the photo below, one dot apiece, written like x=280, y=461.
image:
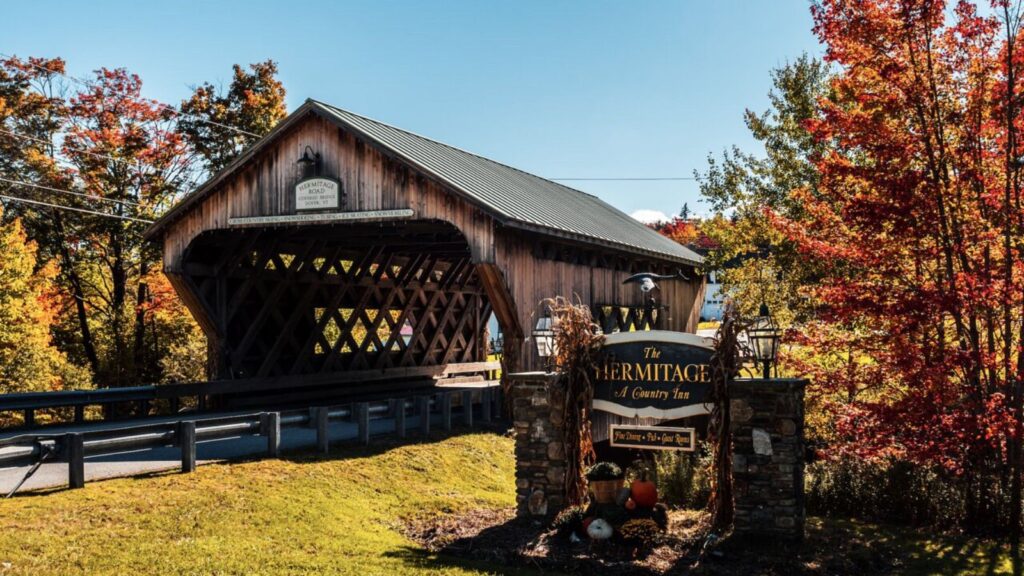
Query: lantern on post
x=544, y=336
x=763, y=335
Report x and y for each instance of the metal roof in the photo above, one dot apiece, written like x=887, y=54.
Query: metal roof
x=515, y=198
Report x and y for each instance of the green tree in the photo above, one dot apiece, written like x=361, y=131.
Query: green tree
x=219, y=125
x=754, y=259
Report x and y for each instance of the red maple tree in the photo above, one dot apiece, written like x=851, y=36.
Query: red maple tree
x=919, y=226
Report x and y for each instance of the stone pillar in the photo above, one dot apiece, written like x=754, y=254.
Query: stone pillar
x=538, y=404
x=767, y=423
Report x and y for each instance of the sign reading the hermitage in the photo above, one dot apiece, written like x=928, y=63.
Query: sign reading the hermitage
x=654, y=374
x=317, y=194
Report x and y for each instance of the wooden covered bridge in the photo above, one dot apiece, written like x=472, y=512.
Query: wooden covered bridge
x=340, y=251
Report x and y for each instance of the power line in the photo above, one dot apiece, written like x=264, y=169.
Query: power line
x=73, y=209
x=159, y=104
x=42, y=141
x=62, y=191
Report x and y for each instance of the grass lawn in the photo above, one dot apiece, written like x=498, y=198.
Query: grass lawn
x=341, y=515
x=304, y=515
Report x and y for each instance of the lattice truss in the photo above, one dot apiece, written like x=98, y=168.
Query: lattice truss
x=353, y=298
x=615, y=318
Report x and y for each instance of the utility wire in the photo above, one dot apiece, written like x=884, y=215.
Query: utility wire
x=62, y=191
x=47, y=142
x=73, y=209
x=159, y=104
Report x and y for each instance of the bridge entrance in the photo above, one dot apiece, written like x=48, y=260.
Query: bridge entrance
x=353, y=299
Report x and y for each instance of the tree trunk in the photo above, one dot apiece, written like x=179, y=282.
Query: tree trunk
x=68, y=267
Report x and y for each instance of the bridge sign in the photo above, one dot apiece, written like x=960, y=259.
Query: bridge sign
x=654, y=374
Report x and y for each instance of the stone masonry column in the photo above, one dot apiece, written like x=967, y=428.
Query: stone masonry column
x=538, y=404
x=767, y=423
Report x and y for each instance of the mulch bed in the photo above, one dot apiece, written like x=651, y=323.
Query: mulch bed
x=499, y=537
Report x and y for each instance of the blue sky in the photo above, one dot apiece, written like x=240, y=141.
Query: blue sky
x=562, y=89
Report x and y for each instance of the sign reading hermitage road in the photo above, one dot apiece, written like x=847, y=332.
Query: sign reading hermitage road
x=315, y=198
x=654, y=374
x=317, y=194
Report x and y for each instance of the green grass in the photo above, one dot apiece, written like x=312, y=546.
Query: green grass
x=302, y=516
x=341, y=515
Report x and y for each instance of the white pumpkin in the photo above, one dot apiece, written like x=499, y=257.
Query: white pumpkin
x=600, y=530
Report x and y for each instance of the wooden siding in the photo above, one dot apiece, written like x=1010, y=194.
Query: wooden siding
x=595, y=276
x=370, y=180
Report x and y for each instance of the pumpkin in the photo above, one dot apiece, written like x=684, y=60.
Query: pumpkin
x=630, y=504
x=600, y=530
x=644, y=493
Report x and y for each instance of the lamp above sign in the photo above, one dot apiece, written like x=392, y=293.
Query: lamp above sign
x=318, y=194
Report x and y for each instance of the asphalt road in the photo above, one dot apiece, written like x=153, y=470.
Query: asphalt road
x=138, y=462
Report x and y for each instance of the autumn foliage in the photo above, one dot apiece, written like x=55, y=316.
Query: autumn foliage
x=918, y=228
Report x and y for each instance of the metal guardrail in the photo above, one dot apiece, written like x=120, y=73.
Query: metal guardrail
x=74, y=447
x=144, y=397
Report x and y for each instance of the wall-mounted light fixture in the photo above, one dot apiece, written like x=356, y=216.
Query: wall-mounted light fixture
x=310, y=159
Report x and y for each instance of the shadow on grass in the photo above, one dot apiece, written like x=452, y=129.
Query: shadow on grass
x=414, y=557
x=850, y=547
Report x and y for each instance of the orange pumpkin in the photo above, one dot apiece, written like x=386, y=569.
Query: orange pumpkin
x=630, y=504
x=644, y=493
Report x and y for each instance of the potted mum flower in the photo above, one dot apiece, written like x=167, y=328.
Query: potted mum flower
x=605, y=480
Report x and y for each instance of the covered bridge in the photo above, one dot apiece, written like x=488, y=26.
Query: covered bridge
x=339, y=249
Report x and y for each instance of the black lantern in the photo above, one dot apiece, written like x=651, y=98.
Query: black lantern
x=544, y=337
x=763, y=336
x=309, y=160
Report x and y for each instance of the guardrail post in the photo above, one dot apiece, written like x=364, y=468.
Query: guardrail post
x=399, y=415
x=74, y=447
x=187, y=442
x=446, y=410
x=270, y=426
x=79, y=414
x=467, y=407
x=485, y=405
x=424, y=414
x=175, y=403
x=30, y=417
x=323, y=439
x=363, y=417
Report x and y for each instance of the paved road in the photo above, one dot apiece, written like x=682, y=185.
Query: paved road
x=133, y=463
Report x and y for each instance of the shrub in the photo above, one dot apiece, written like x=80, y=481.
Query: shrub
x=905, y=493
x=604, y=471
x=569, y=519
x=682, y=477
x=640, y=534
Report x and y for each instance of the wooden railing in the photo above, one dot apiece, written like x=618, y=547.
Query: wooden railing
x=444, y=407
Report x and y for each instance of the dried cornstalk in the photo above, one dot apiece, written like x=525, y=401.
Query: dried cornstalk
x=577, y=341
x=725, y=365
